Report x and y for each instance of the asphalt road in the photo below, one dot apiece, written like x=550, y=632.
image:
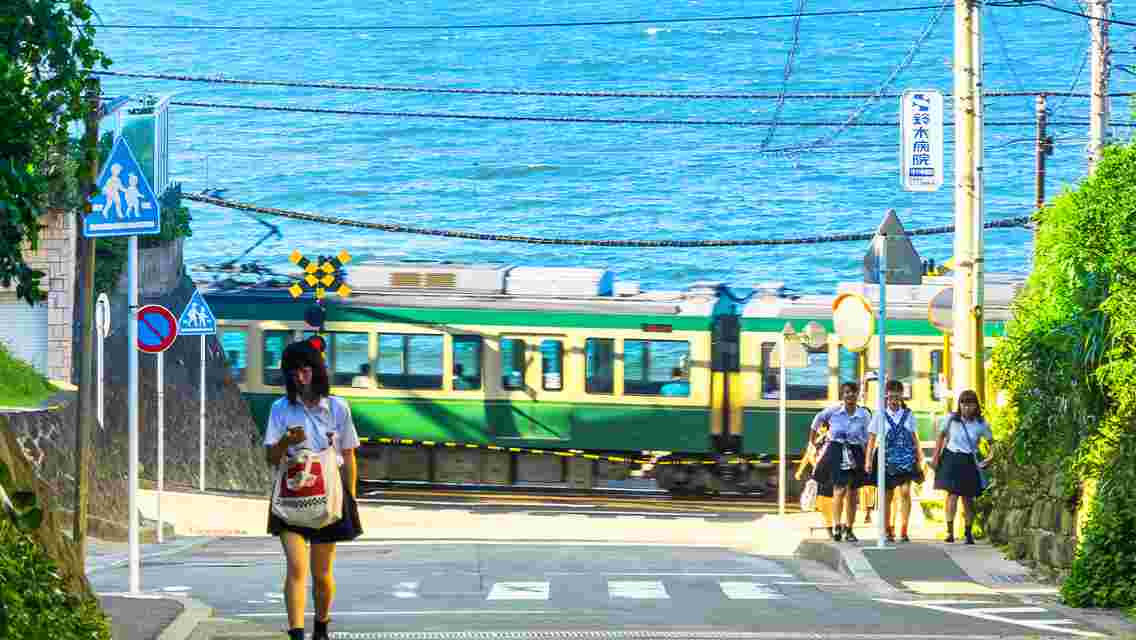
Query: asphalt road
x=387, y=588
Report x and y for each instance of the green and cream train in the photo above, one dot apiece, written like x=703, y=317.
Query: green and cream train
x=568, y=360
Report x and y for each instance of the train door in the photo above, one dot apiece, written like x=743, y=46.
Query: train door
x=530, y=373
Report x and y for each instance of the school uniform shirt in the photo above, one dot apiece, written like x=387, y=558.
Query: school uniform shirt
x=842, y=427
x=332, y=416
x=879, y=426
x=957, y=439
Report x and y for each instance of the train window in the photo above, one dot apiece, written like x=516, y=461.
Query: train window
x=512, y=363
x=599, y=365
x=467, y=363
x=410, y=361
x=350, y=362
x=655, y=367
x=552, y=365
x=848, y=366
x=901, y=366
x=807, y=383
x=274, y=343
x=936, y=371
x=234, y=342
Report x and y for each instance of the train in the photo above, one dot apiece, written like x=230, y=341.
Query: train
x=499, y=361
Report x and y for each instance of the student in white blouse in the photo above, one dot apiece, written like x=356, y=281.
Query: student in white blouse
x=311, y=417
x=957, y=461
x=841, y=460
x=904, y=456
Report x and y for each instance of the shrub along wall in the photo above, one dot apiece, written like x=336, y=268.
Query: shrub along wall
x=1068, y=367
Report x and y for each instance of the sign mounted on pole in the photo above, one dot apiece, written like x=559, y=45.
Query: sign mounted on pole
x=921, y=140
x=320, y=277
x=197, y=318
x=853, y=321
x=125, y=205
x=157, y=328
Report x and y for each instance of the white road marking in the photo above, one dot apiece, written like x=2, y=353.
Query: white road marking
x=749, y=591
x=519, y=543
x=423, y=612
x=177, y=589
x=637, y=589
x=1029, y=624
x=406, y=590
x=1008, y=610
x=630, y=515
x=669, y=574
x=946, y=602
x=519, y=591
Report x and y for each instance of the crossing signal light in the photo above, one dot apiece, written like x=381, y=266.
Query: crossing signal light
x=318, y=343
x=315, y=315
x=321, y=275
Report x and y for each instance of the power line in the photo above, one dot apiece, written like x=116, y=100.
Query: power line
x=496, y=237
x=344, y=86
x=576, y=119
x=533, y=25
x=785, y=75
x=1058, y=9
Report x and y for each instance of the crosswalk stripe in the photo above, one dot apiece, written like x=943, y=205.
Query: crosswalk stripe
x=637, y=589
x=519, y=591
x=1008, y=610
x=749, y=591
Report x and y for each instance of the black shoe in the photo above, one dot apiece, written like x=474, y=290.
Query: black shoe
x=904, y=538
x=838, y=533
x=969, y=539
x=849, y=536
x=950, y=538
x=830, y=534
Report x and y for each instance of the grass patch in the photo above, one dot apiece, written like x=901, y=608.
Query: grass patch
x=20, y=384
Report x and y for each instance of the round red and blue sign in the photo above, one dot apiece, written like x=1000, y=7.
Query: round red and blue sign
x=157, y=328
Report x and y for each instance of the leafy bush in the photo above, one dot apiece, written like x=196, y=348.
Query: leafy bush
x=1068, y=366
x=20, y=383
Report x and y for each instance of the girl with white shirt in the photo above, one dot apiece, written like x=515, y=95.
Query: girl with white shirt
x=903, y=456
x=310, y=417
x=956, y=460
x=841, y=460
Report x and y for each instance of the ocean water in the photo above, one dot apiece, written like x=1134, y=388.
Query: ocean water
x=594, y=181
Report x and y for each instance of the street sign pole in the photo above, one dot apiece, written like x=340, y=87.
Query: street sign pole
x=201, y=470
x=132, y=410
x=781, y=476
x=881, y=382
x=161, y=439
x=102, y=328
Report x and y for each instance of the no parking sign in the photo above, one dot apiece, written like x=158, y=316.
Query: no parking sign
x=157, y=328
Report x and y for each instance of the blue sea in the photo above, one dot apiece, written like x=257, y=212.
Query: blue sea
x=587, y=180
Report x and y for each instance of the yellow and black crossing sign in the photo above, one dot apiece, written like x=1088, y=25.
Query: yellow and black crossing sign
x=321, y=277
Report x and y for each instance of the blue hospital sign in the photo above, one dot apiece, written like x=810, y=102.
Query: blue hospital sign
x=125, y=205
x=921, y=140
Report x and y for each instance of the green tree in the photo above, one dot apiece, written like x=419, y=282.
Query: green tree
x=47, y=50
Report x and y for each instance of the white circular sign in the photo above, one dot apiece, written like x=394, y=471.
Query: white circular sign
x=852, y=319
x=941, y=310
x=102, y=316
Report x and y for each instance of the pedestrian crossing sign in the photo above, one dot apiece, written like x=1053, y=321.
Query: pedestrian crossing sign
x=197, y=318
x=125, y=204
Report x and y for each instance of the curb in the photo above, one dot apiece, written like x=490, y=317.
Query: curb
x=192, y=613
x=122, y=561
x=848, y=560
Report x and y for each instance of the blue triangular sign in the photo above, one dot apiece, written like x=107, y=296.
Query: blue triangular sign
x=197, y=318
x=125, y=204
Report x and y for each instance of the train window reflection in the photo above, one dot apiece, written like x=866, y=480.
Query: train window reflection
x=512, y=363
x=936, y=371
x=410, y=361
x=274, y=343
x=599, y=367
x=656, y=367
x=807, y=383
x=901, y=366
x=234, y=342
x=552, y=365
x=467, y=363
x=348, y=360
x=849, y=369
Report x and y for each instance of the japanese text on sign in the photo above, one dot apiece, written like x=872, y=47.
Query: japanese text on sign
x=921, y=140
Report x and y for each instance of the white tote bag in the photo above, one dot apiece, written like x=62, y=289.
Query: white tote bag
x=308, y=491
x=809, y=495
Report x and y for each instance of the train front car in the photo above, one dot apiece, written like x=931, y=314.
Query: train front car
x=474, y=366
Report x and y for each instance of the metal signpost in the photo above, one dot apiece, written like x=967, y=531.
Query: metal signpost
x=127, y=206
x=921, y=141
x=102, y=327
x=791, y=354
x=881, y=382
x=157, y=331
x=197, y=319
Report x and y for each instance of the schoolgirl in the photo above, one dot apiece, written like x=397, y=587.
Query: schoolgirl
x=903, y=456
x=957, y=464
x=841, y=460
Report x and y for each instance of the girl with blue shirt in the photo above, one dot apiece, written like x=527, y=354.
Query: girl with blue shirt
x=841, y=460
x=956, y=460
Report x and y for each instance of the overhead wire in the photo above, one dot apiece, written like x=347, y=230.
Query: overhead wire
x=642, y=244
x=531, y=25
x=785, y=75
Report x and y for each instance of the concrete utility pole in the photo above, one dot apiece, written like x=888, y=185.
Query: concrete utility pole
x=1044, y=147
x=1099, y=109
x=968, y=367
x=85, y=308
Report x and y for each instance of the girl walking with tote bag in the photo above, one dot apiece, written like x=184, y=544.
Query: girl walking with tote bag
x=958, y=470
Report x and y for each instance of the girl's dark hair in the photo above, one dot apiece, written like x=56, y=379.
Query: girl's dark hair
x=854, y=386
x=896, y=385
x=303, y=354
x=968, y=395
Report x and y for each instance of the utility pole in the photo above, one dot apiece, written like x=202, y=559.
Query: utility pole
x=968, y=368
x=1099, y=108
x=85, y=307
x=1043, y=148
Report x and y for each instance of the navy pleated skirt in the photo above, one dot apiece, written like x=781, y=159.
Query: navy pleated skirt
x=828, y=469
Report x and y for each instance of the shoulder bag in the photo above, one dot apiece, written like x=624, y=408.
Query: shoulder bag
x=983, y=480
